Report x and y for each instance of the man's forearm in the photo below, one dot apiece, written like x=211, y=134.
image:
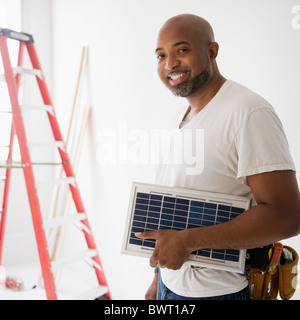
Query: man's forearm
x=275, y=217
x=258, y=226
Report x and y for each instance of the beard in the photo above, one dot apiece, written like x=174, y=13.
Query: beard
x=190, y=86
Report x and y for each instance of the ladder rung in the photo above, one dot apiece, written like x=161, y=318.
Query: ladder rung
x=16, y=70
x=57, y=144
x=86, y=254
x=94, y=264
x=92, y=294
x=49, y=163
x=2, y=178
x=44, y=107
x=20, y=165
x=67, y=180
x=83, y=227
x=62, y=220
x=35, y=72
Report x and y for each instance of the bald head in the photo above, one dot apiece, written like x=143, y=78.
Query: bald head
x=190, y=24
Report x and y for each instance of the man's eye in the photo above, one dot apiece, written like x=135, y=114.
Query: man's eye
x=160, y=56
x=182, y=50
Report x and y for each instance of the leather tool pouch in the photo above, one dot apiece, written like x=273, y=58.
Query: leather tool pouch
x=256, y=280
x=288, y=275
x=265, y=286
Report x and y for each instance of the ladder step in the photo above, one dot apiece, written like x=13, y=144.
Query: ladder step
x=67, y=180
x=44, y=107
x=63, y=220
x=2, y=178
x=83, y=255
x=35, y=72
x=92, y=294
x=19, y=165
x=16, y=70
x=57, y=144
x=75, y=218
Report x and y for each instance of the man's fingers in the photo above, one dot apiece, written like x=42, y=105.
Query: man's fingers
x=153, y=262
x=146, y=235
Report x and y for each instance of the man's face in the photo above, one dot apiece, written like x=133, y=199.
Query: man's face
x=183, y=62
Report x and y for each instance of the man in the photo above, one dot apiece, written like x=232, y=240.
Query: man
x=245, y=152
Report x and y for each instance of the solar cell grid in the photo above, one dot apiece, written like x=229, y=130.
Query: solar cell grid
x=152, y=210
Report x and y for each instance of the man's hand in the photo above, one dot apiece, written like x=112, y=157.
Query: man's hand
x=171, y=251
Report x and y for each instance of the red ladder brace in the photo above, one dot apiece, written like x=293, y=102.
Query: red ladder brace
x=18, y=128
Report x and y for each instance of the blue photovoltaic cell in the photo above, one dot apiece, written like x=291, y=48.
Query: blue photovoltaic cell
x=153, y=212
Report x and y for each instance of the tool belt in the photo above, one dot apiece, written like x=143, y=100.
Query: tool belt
x=271, y=270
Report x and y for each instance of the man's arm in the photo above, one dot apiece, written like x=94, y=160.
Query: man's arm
x=276, y=217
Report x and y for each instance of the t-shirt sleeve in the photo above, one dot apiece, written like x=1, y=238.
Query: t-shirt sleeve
x=261, y=145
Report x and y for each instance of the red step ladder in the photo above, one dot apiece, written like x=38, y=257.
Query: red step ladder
x=12, y=77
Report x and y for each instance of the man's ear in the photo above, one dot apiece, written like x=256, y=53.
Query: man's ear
x=213, y=50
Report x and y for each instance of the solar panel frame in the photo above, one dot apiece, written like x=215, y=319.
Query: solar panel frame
x=152, y=206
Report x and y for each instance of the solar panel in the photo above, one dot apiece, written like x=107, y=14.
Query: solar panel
x=153, y=207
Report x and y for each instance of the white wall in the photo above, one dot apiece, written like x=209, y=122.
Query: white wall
x=258, y=48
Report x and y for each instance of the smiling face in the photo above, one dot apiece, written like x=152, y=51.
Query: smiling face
x=182, y=52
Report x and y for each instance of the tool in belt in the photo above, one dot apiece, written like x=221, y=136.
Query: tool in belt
x=272, y=269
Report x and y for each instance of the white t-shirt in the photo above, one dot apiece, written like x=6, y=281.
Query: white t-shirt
x=242, y=136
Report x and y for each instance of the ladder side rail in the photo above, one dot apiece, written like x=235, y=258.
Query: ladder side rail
x=28, y=173
x=65, y=158
x=20, y=63
x=6, y=193
x=8, y=162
